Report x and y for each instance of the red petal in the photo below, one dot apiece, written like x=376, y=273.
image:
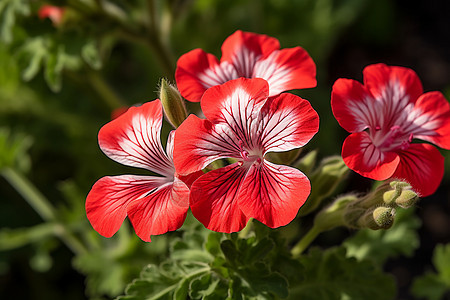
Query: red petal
x=106, y=203
x=364, y=158
x=352, y=105
x=287, y=122
x=235, y=102
x=133, y=139
x=197, y=71
x=244, y=49
x=392, y=82
x=433, y=119
x=273, y=194
x=198, y=143
x=286, y=69
x=159, y=212
x=213, y=199
x=422, y=166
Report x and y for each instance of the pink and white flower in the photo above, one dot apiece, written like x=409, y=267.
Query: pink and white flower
x=384, y=116
x=153, y=204
x=248, y=55
x=243, y=123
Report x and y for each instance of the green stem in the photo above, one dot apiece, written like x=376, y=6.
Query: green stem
x=42, y=206
x=29, y=192
x=105, y=91
x=306, y=240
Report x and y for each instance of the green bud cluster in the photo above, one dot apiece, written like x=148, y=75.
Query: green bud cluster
x=375, y=210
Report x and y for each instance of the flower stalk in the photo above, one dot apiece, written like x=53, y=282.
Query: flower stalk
x=43, y=207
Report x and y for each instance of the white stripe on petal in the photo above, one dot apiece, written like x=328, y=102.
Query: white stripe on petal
x=219, y=75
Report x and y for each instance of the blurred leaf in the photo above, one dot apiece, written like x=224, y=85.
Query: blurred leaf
x=15, y=238
x=91, y=55
x=13, y=150
x=32, y=53
x=104, y=275
x=433, y=285
x=379, y=245
x=9, y=11
x=331, y=274
x=53, y=68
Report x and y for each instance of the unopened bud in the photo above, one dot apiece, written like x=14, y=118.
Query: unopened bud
x=407, y=199
x=307, y=162
x=384, y=217
x=324, y=181
x=173, y=104
x=400, y=185
x=389, y=197
x=402, y=195
x=284, y=158
x=378, y=218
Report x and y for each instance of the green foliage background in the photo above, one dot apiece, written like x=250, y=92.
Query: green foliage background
x=60, y=84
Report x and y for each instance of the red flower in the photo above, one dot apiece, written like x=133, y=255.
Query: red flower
x=248, y=55
x=54, y=13
x=384, y=116
x=244, y=124
x=154, y=205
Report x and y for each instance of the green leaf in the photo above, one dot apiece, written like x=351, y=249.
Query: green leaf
x=14, y=150
x=32, y=54
x=91, y=55
x=433, y=285
x=330, y=274
x=203, y=286
x=429, y=286
x=379, y=245
x=9, y=11
x=54, y=67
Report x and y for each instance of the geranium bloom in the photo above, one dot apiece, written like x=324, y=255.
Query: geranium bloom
x=154, y=205
x=384, y=116
x=248, y=55
x=243, y=124
x=54, y=13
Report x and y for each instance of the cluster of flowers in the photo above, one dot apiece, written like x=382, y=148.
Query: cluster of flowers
x=247, y=115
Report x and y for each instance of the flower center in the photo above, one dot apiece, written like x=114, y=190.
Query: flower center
x=250, y=156
x=393, y=139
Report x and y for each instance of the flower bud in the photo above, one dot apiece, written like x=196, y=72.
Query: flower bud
x=378, y=218
x=173, y=104
x=324, y=181
x=402, y=195
x=284, y=158
x=407, y=199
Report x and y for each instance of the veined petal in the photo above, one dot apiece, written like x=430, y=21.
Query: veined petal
x=422, y=166
x=235, y=101
x=169, y=144
x=286, y=69
x=107, y=202
x=133, y=139
x=353, y=106
x=159, y=211
x=361, y=155
x=214, y=202
x=392, y=83
x=273, y=194
x=287, y=122
x=197, y=143
x=432, y=119
x=243, y=49
x=197, y=71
